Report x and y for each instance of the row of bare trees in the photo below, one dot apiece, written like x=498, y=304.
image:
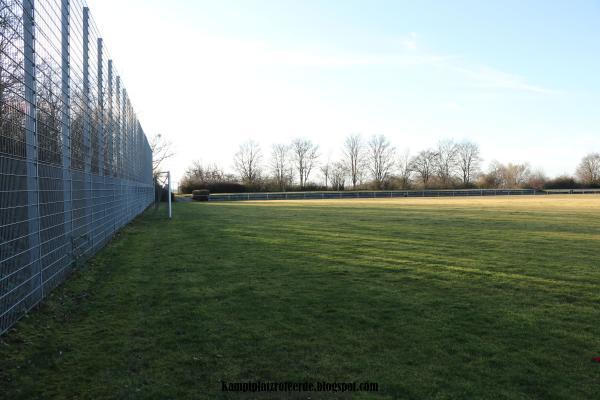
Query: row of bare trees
x=375, y=162
x=287, y=162
x=521, y=175
x=449, y=164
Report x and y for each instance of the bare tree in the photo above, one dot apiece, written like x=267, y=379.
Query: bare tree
x=469, y=161
x=507, y=176
x=12, y=133
x=446, y=161
x=326, y=171
x=354, y=157
x=494, y=177
x=247, y=162
x=305, y=155
x=515, y=175
x=201, y=175
x=206, y=173
x=381, y=155
x=280, y=160
x=338, y=175
x=49, y=108
x=161, y=151
x=536, y=179
x=404, y=169
x=423, y=164
x=588, y=170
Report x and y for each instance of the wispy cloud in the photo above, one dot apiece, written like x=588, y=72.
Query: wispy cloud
x=225, y=53
x=307, y=58
x=490, y=78
x=219, y=51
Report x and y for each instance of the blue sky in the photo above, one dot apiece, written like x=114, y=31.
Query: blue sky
x=520, y=78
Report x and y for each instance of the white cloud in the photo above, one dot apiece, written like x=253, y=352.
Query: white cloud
x=224, y=53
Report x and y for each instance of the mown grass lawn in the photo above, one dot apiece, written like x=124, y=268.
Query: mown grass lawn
x=430, y=298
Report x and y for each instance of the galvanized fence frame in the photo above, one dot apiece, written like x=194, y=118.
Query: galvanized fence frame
x=75, y=164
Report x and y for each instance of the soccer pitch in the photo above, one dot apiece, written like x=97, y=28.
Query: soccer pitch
x=428, y=298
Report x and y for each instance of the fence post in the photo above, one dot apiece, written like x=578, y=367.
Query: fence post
x=100, y=180
x=124, y=148
x=110, y=156
x=109, y=128
x=31, y=145
x=66, y=125
x=119, y=151
x=87, y=148
x=100, y=109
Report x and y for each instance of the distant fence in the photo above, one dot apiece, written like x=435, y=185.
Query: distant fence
x=571, y=191
x=75, y=165
x=369, y=194
x=393, y=194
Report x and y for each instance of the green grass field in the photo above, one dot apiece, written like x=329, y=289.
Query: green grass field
x=491, y=298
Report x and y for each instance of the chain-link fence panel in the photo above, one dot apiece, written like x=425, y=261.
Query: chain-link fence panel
x=75, y=164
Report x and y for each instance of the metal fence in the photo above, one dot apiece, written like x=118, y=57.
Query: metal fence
x=75, y=165
x=395, y=193
x=380, y=194
x=371, y=194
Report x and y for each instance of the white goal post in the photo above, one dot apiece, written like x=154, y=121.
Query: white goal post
x=167, y=175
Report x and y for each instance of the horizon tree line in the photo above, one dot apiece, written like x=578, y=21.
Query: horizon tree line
x=375, y=164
